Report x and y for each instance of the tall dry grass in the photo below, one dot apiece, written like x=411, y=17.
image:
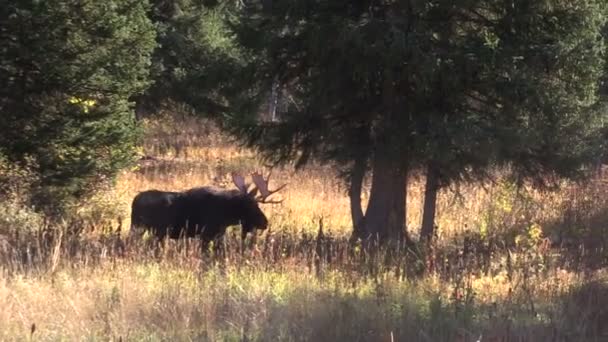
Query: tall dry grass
x=509, y=264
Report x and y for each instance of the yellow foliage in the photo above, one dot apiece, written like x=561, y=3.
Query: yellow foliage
x=85, y=104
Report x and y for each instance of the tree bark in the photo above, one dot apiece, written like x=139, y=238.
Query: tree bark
x=430, y=202
x=384, y=221
x=354, y=193
x=385, y=214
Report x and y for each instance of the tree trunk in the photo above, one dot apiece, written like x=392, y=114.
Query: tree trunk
x=385, y=215
x=430, y=202
x=354, y=193
x=267, y=5
x=384, y=220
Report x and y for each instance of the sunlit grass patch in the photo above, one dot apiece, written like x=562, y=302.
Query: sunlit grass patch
x=508, y=263
x=163, y=300
x=207, y=157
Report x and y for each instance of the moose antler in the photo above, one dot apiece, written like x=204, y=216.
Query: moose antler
x=239, y=181
x=262, y=186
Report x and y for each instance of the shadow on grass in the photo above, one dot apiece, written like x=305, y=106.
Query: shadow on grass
x=581, y=233
x=585, y=311
x=390, y=312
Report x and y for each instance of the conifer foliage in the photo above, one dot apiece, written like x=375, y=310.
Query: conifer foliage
x=68, y=70
x=453, y=87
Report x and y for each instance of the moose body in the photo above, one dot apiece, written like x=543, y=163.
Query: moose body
x=156, y=211
x=203, y=212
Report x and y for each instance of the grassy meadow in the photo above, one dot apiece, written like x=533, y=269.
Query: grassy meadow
x=509, y=264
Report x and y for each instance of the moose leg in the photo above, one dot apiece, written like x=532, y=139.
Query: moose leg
x=206, y=237
x=205, y=247
x=243, y=238
x=252, y=242
x=220, y=248
x=219, y=242
x=136, y=232
x=158, y=234
x=159, y=246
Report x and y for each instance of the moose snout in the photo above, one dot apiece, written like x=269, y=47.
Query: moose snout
x=263, y=224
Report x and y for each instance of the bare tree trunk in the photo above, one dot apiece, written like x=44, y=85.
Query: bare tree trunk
x=384, y=221
x=140, y=111
x=430, y=202
x=274, y=99
x=354, y=193
x=385, y=215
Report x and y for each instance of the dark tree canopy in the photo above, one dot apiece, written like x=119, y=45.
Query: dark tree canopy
x=458, y=85
x=68, y=69
x=449, y=88
x=197, y=62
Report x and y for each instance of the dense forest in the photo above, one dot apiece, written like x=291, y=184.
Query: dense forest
x=438, y=162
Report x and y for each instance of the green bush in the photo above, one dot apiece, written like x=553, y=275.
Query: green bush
x=69, y=70
x=15, y=212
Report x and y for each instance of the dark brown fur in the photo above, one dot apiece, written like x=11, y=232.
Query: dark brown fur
x=203, y=212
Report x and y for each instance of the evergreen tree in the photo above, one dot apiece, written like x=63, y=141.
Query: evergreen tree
x=520, y=120
x=197, y=62
x=68, y=69
x=449, y=86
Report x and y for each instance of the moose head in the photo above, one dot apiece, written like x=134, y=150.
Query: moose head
x=252, y=216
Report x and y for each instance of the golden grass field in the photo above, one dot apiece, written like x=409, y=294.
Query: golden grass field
x=508, y=264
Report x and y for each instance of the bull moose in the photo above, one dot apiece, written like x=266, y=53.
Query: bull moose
x=203, y=212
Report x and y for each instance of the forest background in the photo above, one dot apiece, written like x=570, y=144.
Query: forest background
x=443, y=161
